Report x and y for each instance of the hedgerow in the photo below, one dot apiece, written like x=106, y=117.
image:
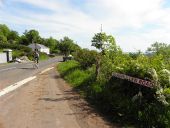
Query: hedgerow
x=127, y=102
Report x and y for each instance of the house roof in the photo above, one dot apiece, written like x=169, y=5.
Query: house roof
x=38, y=45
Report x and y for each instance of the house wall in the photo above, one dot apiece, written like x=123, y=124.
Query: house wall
x=33, y=47
x=3, y=58
x=45, y=50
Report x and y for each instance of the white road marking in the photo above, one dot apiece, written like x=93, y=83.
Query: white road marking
x=7, y=69
x=46, y=70
x=15, y=86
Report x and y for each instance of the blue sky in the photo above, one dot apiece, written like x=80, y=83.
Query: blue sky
x=135, y=24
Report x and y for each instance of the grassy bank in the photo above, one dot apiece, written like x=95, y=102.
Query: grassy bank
x=72, y=73
x=117, y=98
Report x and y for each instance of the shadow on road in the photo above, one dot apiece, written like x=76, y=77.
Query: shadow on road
x=75, y=101
x=31, y=68
x=59, y=99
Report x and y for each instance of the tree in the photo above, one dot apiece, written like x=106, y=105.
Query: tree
x=52, y=44
x=29, y=37
x=67, y=46
x=4, y=30
x=160, y=49
x=157, y=47
x=3, y=39
x=13, y=37
x=104, y=42
x=98, y=40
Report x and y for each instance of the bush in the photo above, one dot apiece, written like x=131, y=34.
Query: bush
x=126, y=101
x=17, y=53
x=121, y=97
x=18, y=50
x=43, y=56
x=86, y=58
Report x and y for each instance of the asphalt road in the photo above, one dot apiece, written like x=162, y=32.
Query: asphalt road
x=40, y=98
x=14, y=72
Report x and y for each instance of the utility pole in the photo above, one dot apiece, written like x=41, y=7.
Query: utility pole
x=101, y=29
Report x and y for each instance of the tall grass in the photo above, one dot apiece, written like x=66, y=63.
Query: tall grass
x=77, y=77
x=43, y=56
x=68, y=66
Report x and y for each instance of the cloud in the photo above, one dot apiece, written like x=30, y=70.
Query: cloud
x=1, y=3
x=81, y=21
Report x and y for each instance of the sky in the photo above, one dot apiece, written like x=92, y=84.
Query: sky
x=135, y=24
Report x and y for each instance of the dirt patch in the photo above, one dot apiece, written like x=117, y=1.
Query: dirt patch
x=1, y=125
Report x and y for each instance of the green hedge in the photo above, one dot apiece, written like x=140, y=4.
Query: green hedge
x=120, y=97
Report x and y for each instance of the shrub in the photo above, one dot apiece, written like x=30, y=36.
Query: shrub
x=86, y=58
x=18, y=50
x=43, y=56
x=126, y=101
x=17, y=53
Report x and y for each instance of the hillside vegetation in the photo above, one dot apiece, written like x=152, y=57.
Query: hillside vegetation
x=10, y=39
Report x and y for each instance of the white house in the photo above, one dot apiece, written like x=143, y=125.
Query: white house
x=6, y=56
x=40, y=47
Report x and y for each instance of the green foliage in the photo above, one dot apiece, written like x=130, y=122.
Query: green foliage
x=157, y=47
x=6, y=35
x=104, y=42
x=118, y=94
x=98, y=40
x=18, y=50
x=4, y=30
x=31, y=36
x=15, y=47
x=67, y=66
x=86, y=57
x=78, y=77
x=160, y=49
x=3, y=39
x=17, y=53
x=66, y=46
x=13, y=37
x=52, y=43
x=43, y=56
x=128, y=102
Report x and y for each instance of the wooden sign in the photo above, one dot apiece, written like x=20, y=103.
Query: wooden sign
x=134, y=80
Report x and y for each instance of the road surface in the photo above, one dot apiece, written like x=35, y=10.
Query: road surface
x=32, y=98
x=14, y=72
